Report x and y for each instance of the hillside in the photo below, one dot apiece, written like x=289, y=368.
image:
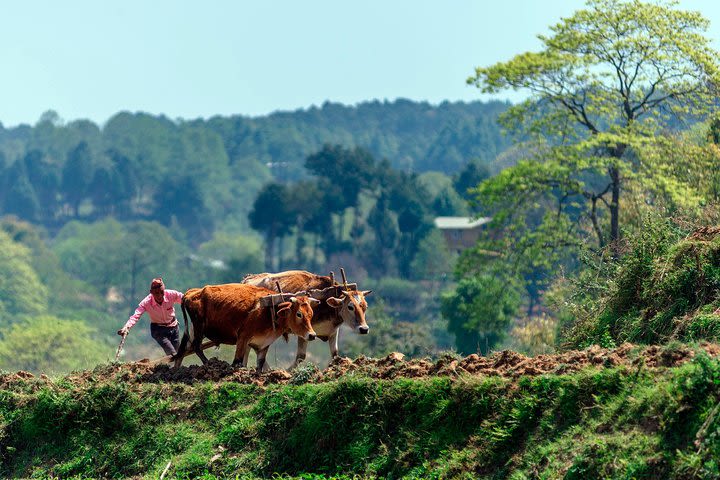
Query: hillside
x=625, y=412
x=211, y=170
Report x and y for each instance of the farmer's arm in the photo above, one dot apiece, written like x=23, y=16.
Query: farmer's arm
x=174, y=296
x=133, y=319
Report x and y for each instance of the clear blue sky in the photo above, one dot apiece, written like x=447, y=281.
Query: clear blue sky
x=189, y=59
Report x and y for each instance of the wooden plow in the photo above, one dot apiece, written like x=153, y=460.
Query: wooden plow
x=189, y=351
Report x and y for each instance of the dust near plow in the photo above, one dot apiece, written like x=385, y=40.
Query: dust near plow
x=505, y=363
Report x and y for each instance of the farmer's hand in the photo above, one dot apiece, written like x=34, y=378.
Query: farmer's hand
x=123, y=331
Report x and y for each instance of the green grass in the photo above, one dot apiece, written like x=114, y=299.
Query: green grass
x=597, y=423
x=666, y=287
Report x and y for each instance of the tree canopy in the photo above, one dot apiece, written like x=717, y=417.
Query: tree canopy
x=607, y=79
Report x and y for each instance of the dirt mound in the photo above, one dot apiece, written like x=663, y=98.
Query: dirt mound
x=505, y=363
x=706, y=233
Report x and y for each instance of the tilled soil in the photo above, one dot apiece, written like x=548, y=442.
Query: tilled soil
x=505, y=363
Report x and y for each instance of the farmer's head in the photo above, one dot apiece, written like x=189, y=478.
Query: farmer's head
x=157, y=289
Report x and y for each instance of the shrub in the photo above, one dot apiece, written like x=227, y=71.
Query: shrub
x=664, y=287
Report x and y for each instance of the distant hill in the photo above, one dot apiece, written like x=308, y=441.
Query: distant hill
x=141, y=166
x=413, y=136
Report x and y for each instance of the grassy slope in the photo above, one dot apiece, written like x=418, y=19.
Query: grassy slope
x=600, y=422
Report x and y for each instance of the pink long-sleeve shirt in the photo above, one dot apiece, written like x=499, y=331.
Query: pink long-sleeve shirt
x=159, y=314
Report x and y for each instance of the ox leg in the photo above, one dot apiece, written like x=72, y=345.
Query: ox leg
x=181, y=350
x=301, y=352
x=261, y=364
x=333, y=344
x=198, y=335
x=242, y=351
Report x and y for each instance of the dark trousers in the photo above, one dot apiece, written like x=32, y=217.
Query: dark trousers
x=167, y=337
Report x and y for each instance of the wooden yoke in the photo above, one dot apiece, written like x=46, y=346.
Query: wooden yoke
x=323, y=294
x=272, y=307
x=342, y=272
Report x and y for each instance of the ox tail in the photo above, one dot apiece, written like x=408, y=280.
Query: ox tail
x=185, y=338
x=185, y=315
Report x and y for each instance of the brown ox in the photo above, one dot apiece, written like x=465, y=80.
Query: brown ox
x=328, y=315
x=231, y=314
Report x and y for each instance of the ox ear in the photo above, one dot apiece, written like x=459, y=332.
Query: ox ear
x=335, y=302
x=314, y=302
x=366, y=292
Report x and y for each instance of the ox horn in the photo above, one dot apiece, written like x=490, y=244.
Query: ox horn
x=285, y=306
x=314, y=302
x=293, y=299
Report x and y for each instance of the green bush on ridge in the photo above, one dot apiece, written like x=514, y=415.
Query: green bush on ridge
x=665, y=287
x=606, y=422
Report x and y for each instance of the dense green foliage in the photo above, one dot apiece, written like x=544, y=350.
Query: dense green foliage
x=200, y=202
x=597, y=423
x=51, y=345
x=21, y=292
x=208, y=201
x=479, y=312
x=610, y=90
x=603, y=86
x=203, y=174
x=665, y=287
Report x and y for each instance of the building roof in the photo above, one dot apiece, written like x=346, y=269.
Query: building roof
x=445, y=223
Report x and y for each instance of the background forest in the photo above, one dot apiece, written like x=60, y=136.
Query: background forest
x=91, y=213
x=601, y=187
x=597, y=198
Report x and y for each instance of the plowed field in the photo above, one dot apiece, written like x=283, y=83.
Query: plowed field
x=505, y=363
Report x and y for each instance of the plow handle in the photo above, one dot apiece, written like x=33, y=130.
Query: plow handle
x=119, y=349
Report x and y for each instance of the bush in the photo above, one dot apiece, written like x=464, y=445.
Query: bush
x=51, y=345
x=479, y=311
x=664, y=287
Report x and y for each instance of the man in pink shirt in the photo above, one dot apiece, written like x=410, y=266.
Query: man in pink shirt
x=163, y=324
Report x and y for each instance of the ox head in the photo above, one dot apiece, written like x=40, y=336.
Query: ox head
x=297, y=315
x=351, y=309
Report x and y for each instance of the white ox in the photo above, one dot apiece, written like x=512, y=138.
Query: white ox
x=328, y=315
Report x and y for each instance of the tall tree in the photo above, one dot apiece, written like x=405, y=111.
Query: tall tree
x=124, y=187
x=473, y=173
x=181, y=199
x=21, y=199
x=44, y=176
x=381, y=260
x=606, y=78
x=306, y=204
x=77, y=175
x=479, y=312
x=344, y=172
x=410, y=200
x=271, y=214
